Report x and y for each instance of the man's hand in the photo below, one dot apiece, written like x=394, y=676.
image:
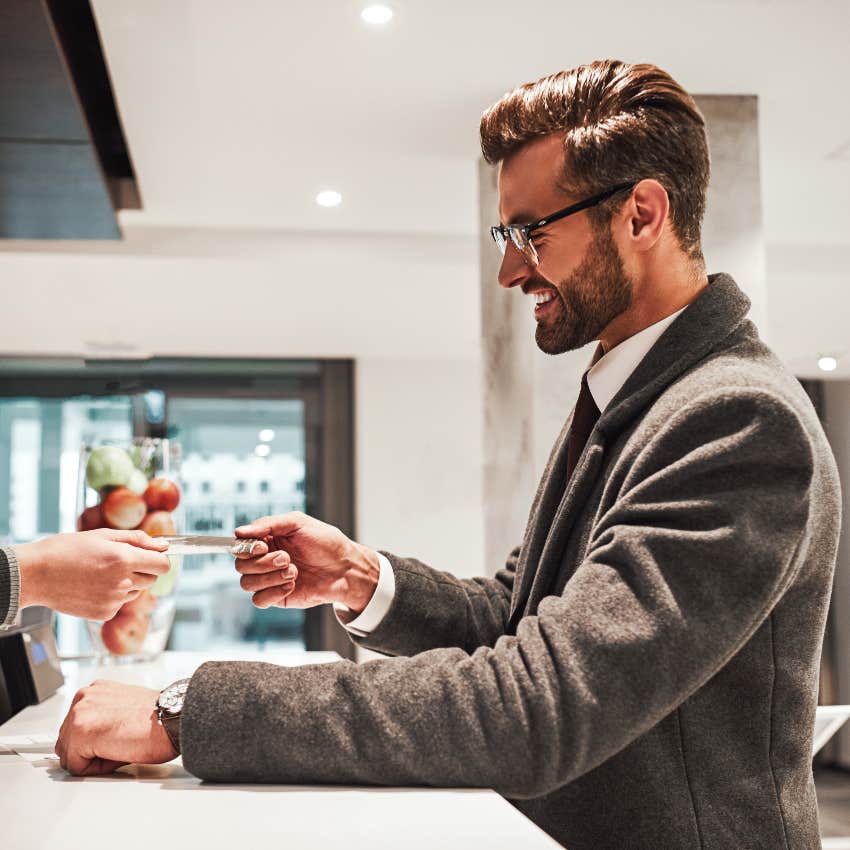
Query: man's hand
x=305, y=562
x=111, y=724
x=89, y=573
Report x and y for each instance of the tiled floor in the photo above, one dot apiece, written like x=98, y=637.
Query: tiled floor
x=833, y=789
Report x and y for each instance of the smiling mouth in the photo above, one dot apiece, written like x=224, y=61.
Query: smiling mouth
x=543, y=301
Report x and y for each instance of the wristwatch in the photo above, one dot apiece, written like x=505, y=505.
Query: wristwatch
x=169, y=707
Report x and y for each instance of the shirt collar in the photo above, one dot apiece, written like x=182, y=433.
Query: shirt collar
x=608, y=372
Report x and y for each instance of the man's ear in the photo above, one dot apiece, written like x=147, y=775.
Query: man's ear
x=647, y=211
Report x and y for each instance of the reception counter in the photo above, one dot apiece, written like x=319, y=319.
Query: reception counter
x=144, y=807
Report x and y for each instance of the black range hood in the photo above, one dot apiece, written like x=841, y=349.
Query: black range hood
x=64, y=165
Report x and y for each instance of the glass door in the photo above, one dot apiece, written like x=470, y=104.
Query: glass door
x=258, y=437
x=40, y=442
x=243, y=458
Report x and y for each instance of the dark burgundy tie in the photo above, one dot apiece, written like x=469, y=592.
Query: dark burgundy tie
x=584, y=418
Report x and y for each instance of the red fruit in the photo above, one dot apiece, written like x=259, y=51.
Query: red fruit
x=123, y=508
x=90, y=518
x=162, y=495
x=124, y=634
x=158, y=524
x=142, y=606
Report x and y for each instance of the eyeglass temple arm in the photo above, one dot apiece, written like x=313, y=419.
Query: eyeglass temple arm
x=581, y=205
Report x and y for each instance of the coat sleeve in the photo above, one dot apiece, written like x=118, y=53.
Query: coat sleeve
x=433, y=609
x=704, y=537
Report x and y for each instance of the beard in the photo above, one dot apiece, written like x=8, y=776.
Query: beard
x=590, y=299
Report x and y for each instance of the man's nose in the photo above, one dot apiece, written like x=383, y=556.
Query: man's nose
x=514, y=271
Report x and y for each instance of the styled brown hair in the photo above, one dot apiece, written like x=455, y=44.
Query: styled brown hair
x=621, y=123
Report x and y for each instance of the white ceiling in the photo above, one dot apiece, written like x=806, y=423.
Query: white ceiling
x=238, y=113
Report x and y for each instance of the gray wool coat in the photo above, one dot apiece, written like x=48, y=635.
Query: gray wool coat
x=643, y=672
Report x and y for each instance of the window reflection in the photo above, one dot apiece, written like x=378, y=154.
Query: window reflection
x=227, y=484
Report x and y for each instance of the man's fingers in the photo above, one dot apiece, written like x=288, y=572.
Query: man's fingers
x=273, y=526
x=79, y=765
x=75, y=763
x=259, y=528
x=253, y=583
x=273, y=595
x=265, y=563
x=99, y=766
x=259, y=549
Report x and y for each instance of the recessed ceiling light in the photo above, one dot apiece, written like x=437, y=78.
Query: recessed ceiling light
x=827, y=364
x=262, y=450
x=266, y=435
x=377, y=14
x=329, y=198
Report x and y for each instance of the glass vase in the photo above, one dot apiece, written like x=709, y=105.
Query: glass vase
x=128, y=486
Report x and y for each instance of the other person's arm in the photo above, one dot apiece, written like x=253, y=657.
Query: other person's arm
x=87, y=574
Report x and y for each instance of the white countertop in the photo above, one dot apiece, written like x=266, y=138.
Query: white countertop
x=44, y=808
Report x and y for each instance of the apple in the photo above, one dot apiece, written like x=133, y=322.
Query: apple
x=162, y=494
x=108, y=466
x=138, y=481
x=123, y=508
x=125, y=633
x=142, y=606
x=90, y=519
x=158, y=524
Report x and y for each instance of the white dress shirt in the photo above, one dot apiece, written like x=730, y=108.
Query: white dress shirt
x=605, y=378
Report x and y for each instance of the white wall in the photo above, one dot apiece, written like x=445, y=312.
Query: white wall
x=809, y=306
x=244, y=293
x=419, y=460
x=406, y=308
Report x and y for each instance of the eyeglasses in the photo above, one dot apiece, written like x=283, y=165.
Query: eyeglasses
x=520, y=234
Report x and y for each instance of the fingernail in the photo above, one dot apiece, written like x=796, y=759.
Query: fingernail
x=280, y=560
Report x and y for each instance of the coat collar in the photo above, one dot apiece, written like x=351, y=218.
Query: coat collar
x=718, y=311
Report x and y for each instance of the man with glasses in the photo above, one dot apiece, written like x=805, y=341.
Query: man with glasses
x=643, y=671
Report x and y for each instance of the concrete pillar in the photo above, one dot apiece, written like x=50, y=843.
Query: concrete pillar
x=527, y=395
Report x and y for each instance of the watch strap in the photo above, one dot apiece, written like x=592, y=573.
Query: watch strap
x=169, y=708
x=171, y=724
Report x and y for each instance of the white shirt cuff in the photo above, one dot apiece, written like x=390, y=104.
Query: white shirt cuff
x=370, y=617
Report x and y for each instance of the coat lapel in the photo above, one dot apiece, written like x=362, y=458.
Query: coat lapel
x=718, y=311
x=576, y=492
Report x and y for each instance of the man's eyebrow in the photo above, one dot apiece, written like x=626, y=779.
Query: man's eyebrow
x=521, y=218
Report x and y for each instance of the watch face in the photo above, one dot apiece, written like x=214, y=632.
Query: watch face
x=171, y=699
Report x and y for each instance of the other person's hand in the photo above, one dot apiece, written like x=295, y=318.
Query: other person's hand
x=111, y=724
x=302, y=562
x=89, y=573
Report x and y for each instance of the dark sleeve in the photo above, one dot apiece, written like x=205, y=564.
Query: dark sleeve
x=703, y=540
x=433, y=609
